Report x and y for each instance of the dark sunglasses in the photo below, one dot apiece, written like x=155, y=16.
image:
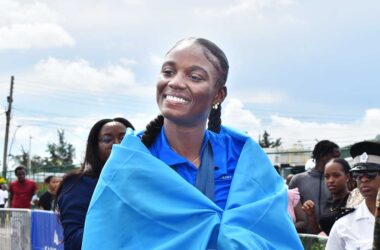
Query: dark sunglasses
x=107, y=139
x=370, y=175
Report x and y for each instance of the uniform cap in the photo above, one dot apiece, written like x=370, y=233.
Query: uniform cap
x=366, y=156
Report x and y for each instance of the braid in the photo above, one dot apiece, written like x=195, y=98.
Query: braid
x=214, y=120
x=151, y=131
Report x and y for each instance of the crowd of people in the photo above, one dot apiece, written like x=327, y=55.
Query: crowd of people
x=22, y=192
x=338, y=200
x=180, y=185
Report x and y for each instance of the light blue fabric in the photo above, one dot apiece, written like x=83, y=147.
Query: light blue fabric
x=141, y=203
x=225, y=153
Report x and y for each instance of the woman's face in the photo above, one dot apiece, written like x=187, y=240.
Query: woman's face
x=187, y=88
x=54, y=183
x=369, y=187
x=335, y=177
x=111, y=133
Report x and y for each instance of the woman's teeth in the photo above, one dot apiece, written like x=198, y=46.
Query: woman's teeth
x=176, y=99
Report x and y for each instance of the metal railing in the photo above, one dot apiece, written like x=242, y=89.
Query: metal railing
x=25, y=229
x=313, y=242
x=15, y=226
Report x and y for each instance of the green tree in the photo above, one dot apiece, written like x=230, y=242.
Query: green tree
x=22, y=159
x=267, y=142
x=61, y=153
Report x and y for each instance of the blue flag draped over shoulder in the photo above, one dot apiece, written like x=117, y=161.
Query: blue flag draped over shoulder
x=141, y=203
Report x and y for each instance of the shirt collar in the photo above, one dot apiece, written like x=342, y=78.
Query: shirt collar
x=362, y=212
x=165, y=153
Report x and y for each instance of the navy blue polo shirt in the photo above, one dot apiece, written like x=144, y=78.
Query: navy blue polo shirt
x=225, y=159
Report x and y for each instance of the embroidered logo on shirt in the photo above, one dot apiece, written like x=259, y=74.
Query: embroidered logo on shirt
x=226, y=177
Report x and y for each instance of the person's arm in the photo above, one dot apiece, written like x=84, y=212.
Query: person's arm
x=300, y=223
x=10, y=196
x=309, y=209
x=73, y=204
x=35, y=189
x=293, y=182
x=335, y=241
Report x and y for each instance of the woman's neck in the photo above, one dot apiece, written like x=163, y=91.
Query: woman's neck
x=340, y=196
x=186, y=141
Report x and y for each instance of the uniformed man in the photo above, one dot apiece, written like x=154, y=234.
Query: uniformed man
x=356, y=230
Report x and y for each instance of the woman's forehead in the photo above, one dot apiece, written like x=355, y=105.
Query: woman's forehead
x=191, y=50
x=186, y=49
x=112, y=126
x=333, y=166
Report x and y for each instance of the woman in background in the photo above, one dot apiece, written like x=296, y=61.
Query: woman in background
x=74, y=193
x=46, y=201
x=356, y=230
x=337, y=176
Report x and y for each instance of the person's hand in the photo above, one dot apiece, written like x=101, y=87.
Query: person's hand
x=308, y=208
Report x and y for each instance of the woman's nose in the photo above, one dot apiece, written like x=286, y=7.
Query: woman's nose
x=177, y=82
x=117, y=141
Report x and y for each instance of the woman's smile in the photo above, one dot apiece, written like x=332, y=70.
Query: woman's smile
x=176, y=99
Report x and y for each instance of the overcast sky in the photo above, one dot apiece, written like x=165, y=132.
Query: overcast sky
x=302, y=70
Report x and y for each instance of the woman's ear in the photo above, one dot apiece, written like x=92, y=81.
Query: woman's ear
x=348, y=178
x=220, y=95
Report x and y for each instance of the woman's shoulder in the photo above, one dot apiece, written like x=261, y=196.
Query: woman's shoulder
x=230, y=135
x=229, y=144
x=79, y=181
x=232, y=139
x=45, y=195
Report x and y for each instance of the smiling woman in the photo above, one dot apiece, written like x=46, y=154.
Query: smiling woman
x=179, y=185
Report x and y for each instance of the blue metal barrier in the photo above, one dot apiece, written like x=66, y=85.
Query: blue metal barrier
x=24, y=229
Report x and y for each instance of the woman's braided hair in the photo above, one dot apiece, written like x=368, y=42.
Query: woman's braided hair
x=212, y=52
x=152, y=129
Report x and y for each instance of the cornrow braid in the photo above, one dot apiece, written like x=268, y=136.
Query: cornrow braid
x=152, y=130
x=214, y=120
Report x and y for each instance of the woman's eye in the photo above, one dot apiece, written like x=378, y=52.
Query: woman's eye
x=196, y=78
x=167, y=72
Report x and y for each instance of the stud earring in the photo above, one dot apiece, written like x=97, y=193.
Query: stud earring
x=215, y=106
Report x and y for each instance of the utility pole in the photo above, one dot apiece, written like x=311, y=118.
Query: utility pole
x=30, y=155
x=8, y=120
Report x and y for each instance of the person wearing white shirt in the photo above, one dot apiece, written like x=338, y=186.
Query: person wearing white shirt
x=3, y=201
x=356, y=230
x=353, y=231
x=3, y=196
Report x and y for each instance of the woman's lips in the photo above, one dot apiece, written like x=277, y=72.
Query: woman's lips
x=176, y=99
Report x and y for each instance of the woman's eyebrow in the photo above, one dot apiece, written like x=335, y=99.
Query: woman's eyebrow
x=168, y=63
x=195, y=67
